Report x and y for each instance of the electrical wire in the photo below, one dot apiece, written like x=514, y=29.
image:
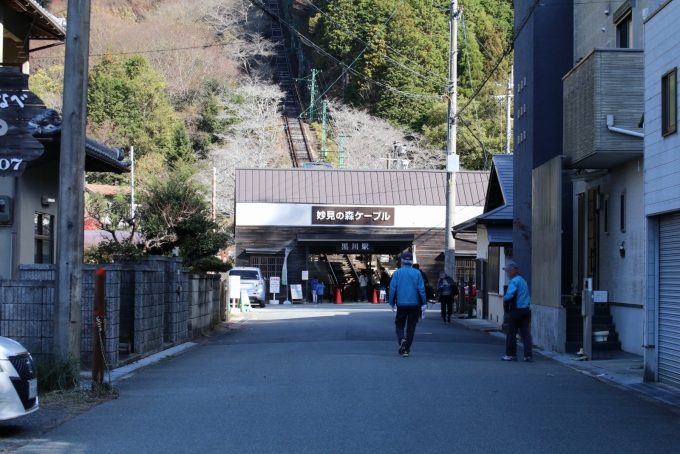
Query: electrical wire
x=398, y=63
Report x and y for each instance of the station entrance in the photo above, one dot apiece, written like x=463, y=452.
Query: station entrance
x=336, y=224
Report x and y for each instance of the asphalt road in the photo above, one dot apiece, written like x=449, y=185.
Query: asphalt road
x=329, y=380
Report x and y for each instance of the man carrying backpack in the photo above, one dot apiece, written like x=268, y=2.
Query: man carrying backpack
x=407, y=293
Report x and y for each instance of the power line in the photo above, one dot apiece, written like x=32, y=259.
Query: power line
x=380, y=53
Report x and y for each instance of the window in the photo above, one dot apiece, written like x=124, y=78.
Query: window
x=44, y=238
x=605, y=213
x=624, y=32
x=270, y=265
x=669, y=102
x=494, y=269
x=623, y=211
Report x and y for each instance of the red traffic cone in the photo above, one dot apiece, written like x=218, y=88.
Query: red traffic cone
x=338, y=296
x=375, y=297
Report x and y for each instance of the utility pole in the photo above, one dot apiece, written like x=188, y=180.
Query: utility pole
x=508, y=97
x=214, y=192
x=323, y=131
x=452, y=160
x=312, y=91
x=342, y=150
x=69, y=269
x=132, y=182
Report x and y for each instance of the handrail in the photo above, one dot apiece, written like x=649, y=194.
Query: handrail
x=351, y=265
x=330, y=267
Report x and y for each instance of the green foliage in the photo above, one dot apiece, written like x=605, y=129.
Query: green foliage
x=419, y=32
x=57, y=375
x=46, y=81
x=173, y=212
x=128, y=106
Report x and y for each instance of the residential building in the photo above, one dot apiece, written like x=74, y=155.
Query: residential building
x=543, y=54
x=493, y=229
x=661, y=327
x=603, y=147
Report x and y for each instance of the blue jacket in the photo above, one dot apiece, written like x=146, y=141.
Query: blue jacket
x=319, y=288
x=408, y=287
x=313, y=284
x=518, y=288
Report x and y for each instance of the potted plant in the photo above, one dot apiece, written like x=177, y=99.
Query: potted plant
x=600, y=333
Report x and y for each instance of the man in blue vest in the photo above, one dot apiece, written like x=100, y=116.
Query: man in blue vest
x=517, y=303
x=407, y=292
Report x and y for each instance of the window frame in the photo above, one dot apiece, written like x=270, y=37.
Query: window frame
x=40, y=238
x=623, y=211
x=628, y=20
x=494, y=269
x=669, y=103
x=605, y=214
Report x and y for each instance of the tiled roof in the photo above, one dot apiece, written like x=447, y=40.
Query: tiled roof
x=357, y=187
x=44, y=25
x=106, y=189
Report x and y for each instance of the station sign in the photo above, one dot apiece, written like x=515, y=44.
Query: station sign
x=330, y=215
x=354, y=247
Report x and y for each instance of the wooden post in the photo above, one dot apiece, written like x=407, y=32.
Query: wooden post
x=69, y=272
x=99, y=337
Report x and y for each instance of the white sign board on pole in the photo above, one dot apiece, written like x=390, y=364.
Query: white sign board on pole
x=305, y=275
x=234, y=287
x=274, y=285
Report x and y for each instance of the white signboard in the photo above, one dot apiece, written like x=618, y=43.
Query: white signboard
x=274, y=285
x=296, y=291
x=234, y=286
x=305, y=275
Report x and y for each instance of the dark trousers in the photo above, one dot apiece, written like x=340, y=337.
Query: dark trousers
x=446, y=302
x=363, y=293
x=519, y=319
x=407, y=316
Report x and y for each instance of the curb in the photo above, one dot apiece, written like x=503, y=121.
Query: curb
x=654, y=391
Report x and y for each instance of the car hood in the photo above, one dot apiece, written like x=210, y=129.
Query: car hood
x=9, y=347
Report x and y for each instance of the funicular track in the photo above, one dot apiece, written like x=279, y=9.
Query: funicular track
x=298, y=144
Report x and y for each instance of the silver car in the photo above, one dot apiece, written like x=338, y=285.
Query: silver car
x=252, y=282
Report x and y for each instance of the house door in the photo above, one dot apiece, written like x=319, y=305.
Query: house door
x=669, y=299
x=593, y=227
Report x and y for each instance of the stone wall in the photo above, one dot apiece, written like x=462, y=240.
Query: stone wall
x=204, y=302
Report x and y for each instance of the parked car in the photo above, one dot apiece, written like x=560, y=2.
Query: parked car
x=18, y=380
x=251, y=281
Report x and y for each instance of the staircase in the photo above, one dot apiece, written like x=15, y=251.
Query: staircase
x=602, y=318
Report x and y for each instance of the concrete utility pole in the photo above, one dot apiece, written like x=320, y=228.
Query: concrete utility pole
x=132, y=182
x=508, y=98
x=452, y=160
x=69, y=273
x=312, y=91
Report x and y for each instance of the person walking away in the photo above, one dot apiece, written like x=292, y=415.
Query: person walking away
x=428, y=288
x=312, y=285
x=385, y=283
x=447, y=289
x=517, y=303
x=407, y=295
x=363, y=284
x=319, y=292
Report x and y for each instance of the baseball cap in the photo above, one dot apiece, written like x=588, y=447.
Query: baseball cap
x=407, y=257
x=511, y=265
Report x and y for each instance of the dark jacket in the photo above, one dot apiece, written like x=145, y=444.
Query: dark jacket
x=384, y=279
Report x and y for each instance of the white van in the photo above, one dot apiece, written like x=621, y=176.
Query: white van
x=18, y=380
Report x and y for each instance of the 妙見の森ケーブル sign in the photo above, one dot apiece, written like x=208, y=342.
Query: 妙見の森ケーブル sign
x=17, y=107
x=378, y=216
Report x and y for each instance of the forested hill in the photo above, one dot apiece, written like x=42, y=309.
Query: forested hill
x=407, y=56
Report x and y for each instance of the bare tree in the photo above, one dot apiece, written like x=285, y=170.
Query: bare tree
x=370, y=141
x=253, y=138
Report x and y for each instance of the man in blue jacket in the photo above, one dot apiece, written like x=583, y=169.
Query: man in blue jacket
x=407, y=292
x=517, y=303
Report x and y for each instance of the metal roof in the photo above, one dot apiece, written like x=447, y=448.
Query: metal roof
x=503, y=166
x=357, y=187
x=44, y=25
x=499, y=235
x=503, y=213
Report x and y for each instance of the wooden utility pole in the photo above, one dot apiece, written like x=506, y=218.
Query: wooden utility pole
x=68, y=282
x=451, y=156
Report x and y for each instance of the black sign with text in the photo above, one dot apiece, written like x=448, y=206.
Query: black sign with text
x=327, y=215
x=17, y=107
x=354, y=247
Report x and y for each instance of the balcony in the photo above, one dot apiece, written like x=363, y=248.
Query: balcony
x=603, y=99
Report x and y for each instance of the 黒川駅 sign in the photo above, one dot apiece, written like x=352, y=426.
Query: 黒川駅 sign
x=378, y=216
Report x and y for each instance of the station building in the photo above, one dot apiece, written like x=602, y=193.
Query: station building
x=335, y=223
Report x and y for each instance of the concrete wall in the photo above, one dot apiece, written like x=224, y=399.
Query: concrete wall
x=147, y=301
x=549, y=317
x=628, y=321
